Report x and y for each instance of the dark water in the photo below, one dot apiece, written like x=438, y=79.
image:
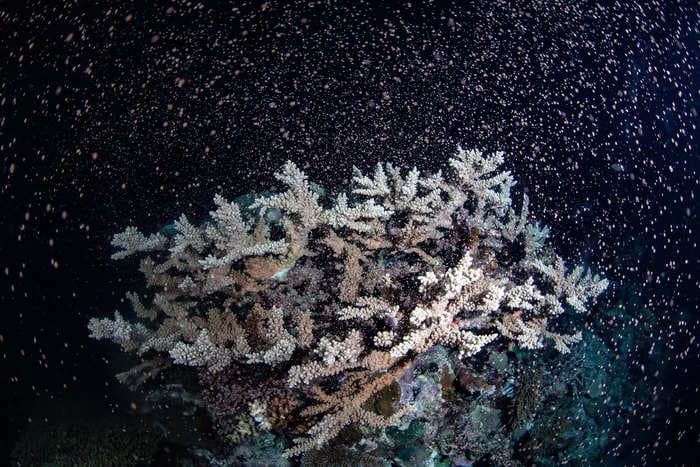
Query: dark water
x=132, y=113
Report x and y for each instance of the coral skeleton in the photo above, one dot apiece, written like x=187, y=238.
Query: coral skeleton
x=338, y=296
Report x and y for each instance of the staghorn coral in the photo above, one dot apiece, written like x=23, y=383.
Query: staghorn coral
x=336, y=299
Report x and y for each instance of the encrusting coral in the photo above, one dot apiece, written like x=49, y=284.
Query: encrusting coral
x=338, y=297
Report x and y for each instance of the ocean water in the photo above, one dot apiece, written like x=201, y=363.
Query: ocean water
x=118, y=114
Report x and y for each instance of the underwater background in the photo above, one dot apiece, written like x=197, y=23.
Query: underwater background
x=115, y=114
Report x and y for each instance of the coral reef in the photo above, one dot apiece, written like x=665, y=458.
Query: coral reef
x=300, y=309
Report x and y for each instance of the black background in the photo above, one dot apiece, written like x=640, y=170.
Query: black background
x=133, y=112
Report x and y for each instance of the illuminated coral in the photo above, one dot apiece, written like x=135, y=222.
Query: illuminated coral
x=350, y=291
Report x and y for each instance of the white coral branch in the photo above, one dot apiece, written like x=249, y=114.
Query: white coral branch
x=358, y=217
x=376, y=186
x=299, y=200
x=187, y=236
x=203, y=352
x=131, y=241
x=129, y=335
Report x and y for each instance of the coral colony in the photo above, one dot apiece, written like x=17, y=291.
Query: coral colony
x=299, y=309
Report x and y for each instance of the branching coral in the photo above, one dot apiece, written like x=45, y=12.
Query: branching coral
x=345, y=294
